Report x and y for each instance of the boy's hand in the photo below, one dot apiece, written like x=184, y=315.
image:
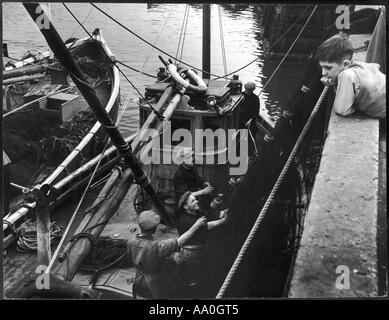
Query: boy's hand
x=327, y=81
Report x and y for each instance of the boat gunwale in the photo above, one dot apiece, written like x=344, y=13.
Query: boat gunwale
x=15, y=216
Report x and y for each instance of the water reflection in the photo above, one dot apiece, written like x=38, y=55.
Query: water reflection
x=159, y=24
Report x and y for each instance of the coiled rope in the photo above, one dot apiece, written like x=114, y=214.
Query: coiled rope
x=270, y=199
x=27, y=236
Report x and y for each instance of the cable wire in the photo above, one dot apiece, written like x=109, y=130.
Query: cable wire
x=150, y=44
x=222, y=41
x=268, y=49
x=287, y=53
x=181, y=32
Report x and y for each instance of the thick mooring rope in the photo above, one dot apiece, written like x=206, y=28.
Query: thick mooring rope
x=270, y=199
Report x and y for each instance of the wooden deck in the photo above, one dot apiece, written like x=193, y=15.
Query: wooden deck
x=19, y=267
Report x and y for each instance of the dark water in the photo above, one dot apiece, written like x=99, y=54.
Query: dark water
x=160, y=24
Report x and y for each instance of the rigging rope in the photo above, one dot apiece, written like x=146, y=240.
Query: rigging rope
x=270, y=199
x=287, y=53
x=90, y=11
x=57, y=250
x=222, y=41
x=150, y=44
x=183, y=40
x=184, y=37
x=181, y=32
x=56, y=253
x=81, y=25
x=268, y=49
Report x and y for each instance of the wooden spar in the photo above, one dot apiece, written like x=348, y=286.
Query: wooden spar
x=206, y=40
x=65, y=58
x=15, y=216
x=81, y=247
x=151, y=119
x=24, y=71
x=109, y=185
x=167, y=114
x=23, y=78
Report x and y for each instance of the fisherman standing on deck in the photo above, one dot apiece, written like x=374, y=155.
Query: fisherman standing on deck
x=187, y=178
x=148, y=255
x=359, y=86
x=190, y=258
x=249, y=111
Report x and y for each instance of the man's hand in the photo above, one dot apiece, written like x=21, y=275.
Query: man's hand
x=207, y=190
x=200, y=222
x=327, y=81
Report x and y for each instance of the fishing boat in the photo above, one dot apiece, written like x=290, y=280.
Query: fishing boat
x=266, y=203
x=49, y=129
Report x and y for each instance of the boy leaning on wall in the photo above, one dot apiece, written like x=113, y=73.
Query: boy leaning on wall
x=359, y=86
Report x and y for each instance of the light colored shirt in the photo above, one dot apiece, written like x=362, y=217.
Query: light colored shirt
x=361, y=87
x=148, y=255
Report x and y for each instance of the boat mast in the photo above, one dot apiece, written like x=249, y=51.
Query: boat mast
x=206, y=40
x=65, y=58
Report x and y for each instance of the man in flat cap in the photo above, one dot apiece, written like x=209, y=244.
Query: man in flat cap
x=187, y=178
x=249, y=110
x=148, y=255
x=190, y=258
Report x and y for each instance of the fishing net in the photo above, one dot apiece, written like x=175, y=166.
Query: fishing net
x=75, y=130
x=37, y=141
x=106, y=252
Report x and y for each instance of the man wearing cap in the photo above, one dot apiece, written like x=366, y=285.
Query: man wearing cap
x=148, y=255
x=187, y=178
x=190, y=257
x=249, y=110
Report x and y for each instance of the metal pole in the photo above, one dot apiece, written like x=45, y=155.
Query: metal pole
x=206, y=40
x=65, y=58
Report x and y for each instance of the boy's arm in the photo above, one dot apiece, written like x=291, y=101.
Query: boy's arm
x=345, y=95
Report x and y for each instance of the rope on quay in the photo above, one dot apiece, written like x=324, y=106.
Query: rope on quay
x=270, y=199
